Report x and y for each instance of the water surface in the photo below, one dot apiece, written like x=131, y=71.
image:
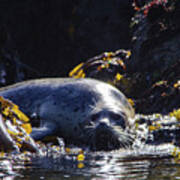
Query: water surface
x=147, y=163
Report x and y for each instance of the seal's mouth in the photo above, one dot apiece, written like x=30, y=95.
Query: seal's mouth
x=106, y=138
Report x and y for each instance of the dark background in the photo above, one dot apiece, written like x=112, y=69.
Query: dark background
x=54, y=36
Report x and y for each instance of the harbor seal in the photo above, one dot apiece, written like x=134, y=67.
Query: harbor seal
x=84, y=112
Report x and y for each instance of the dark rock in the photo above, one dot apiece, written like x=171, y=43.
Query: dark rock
x=156, y=39
x=156, y=55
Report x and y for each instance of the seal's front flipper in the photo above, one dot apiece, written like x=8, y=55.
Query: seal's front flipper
x=42, y=132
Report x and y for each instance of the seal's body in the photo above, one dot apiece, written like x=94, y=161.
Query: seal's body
x=82, y=111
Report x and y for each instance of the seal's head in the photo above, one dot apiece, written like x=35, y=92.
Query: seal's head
x=107, y=130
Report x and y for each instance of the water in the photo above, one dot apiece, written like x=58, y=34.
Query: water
x=147, y=163
x=143, y=161
x=141, y=169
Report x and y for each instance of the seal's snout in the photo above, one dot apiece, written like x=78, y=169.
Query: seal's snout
x=107, y=137
x=104, y=138
x=101, y=129
x=102, y=125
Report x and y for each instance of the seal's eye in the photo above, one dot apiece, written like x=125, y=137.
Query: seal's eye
x=95, y=117
x=119, y=119
x=115, y=116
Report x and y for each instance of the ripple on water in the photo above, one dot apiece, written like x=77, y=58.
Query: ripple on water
x=148, y=162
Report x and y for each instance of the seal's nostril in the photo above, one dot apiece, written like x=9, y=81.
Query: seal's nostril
x=102, y=124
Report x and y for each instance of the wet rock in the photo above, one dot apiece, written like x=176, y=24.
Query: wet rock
x=156, y=39
x=156, y=55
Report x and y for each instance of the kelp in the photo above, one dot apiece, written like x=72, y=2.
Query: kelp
x=15, y=128
x=176, y=114
x=110, y=62
x=110, y=67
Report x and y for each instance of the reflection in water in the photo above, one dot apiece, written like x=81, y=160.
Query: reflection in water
x=139, y=164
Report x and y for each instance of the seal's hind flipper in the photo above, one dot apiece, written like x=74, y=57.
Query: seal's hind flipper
x=42, y=132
